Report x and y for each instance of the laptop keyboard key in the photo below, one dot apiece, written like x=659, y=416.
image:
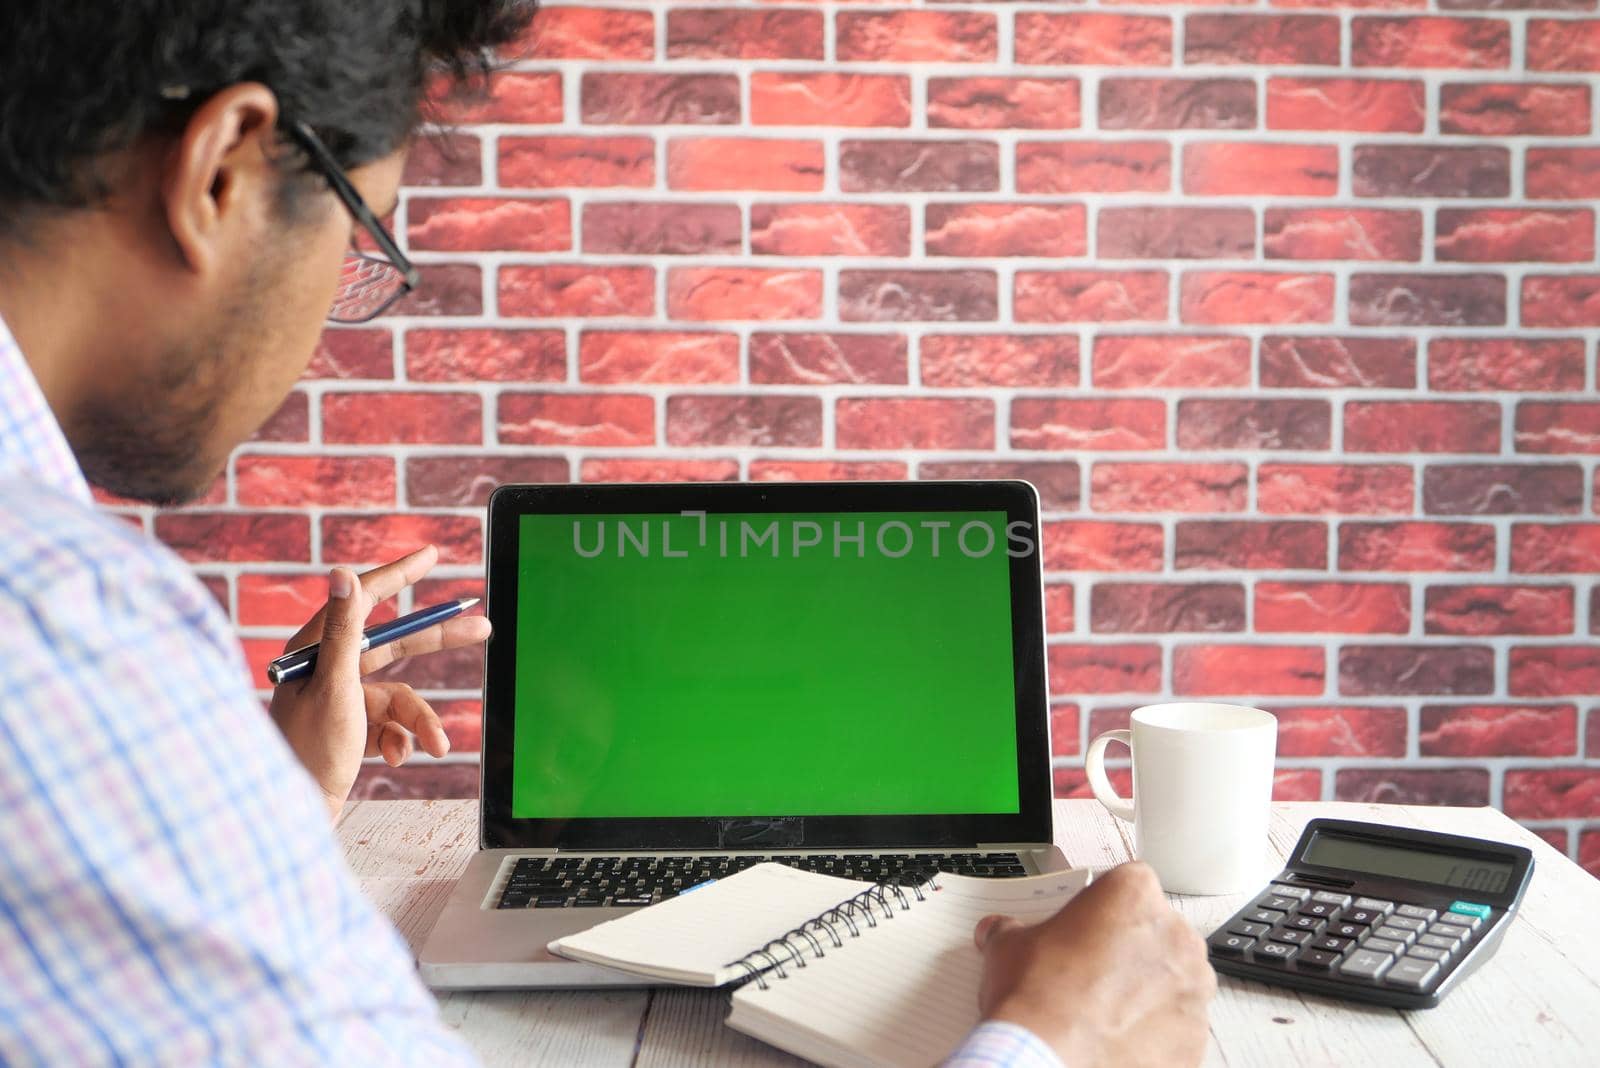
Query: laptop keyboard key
x=636, y=881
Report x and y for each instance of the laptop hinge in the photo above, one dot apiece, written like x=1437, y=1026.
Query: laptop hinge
x=541, y=851
x=988, y=847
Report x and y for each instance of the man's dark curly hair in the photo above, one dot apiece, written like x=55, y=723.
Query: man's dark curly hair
x=80, y=79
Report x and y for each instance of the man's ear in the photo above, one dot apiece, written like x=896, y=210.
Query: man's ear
x=220, y=174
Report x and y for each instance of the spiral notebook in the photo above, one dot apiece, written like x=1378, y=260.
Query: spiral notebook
x=838, y=971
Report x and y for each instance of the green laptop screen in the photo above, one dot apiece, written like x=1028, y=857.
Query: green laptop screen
x=764, y=664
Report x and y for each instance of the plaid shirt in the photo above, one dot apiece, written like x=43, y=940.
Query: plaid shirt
x=170, y=891
x=1003, y=1045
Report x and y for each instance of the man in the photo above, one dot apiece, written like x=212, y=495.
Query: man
x=181, y=189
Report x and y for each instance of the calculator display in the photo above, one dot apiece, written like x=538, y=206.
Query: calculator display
x=1443, y=869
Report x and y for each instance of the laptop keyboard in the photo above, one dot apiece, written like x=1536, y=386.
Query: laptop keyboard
x=632, y=882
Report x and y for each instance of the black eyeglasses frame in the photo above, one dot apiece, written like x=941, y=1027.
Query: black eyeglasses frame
x=342, y=187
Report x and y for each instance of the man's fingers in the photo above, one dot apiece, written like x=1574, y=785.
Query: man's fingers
x=346, y=611
x=451, y=634
x=384, y=582
x=989, y=927
x=396, y=705
x=395, y=745
x=379, y=584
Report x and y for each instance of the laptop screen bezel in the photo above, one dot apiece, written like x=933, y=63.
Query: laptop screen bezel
x=499, y=829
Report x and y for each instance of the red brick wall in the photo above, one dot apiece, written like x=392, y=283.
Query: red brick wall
x=1288, y=309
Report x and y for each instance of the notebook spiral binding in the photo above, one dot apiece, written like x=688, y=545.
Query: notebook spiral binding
x=868, y=907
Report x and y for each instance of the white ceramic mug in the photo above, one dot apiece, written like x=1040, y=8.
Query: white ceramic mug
x=1202, y=792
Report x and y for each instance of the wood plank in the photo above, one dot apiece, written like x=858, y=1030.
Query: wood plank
x=1525, y=1006
x=1253, y=1024
x=1256, y=1024
x=1533, y=1003
x=408, y=856
x=684, y=1029
x=1090, y=836
x=598, y=1027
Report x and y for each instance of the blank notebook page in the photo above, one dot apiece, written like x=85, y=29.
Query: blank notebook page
x=694, y=937
x=904, y=992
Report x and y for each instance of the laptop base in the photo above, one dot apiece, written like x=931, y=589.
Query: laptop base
x=477, y=948
x=474, y=946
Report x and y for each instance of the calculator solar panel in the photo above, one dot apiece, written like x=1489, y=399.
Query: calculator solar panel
x=1389, y=915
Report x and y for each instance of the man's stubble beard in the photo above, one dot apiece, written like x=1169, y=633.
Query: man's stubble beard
x=152, y=441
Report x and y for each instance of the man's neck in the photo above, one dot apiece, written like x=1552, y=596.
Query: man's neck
x=57, y=309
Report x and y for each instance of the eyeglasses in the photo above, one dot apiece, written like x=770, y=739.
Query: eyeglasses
x=368, y=285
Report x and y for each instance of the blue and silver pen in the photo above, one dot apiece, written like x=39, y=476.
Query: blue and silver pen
x=299, y=663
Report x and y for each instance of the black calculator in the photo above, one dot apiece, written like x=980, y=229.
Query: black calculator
x=1389, y=915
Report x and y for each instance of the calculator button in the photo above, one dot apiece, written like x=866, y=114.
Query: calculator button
x=1331, y=945
x=1249, y=930
x=1467, y=914
x=1374, y=904
x=1270, y=917
x=1421, y=952
x=1325, y=909
x=1316, y=958
x=1365, y=964
x=1346, y=930
x=1274, y=952
x=1299, y=893
x=1233, y=945
x=1366, y=916
x=1292, y=937
x=1305, y=923
x=1417, y=912
x=1276, y=901
x=1438, y=942
x=1407, y=923
x=1395, y=934
x=1383, y=945
x=1450, y=930
x=1338, y=901
x=1413, y=974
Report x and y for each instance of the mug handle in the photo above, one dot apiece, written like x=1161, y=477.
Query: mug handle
x=1094, y=765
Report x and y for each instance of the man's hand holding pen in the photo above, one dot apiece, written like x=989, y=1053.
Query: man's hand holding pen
x=332, y=717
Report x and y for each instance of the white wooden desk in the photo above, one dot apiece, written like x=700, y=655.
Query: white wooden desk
x=1536, y=1002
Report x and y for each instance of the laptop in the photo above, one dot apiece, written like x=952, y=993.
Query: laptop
x=685, y=680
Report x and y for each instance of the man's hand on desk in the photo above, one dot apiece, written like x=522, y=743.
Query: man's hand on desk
x=332, y=718
x=1115, y=978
